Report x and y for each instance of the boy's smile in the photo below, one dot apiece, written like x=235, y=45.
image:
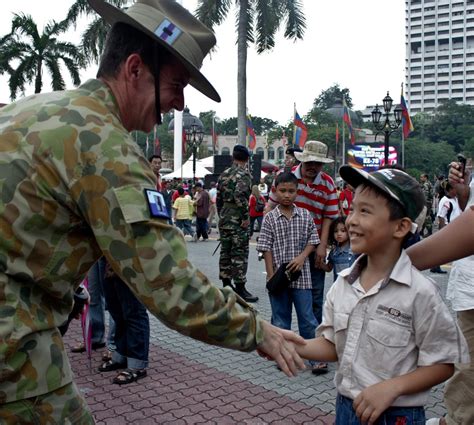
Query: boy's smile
x=369, y=224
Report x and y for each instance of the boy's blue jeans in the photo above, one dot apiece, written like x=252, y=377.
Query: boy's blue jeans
x=345, y=414
x=282, y=310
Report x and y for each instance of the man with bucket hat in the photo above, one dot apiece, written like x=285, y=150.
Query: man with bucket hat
x=75, y=187
x=316, y=193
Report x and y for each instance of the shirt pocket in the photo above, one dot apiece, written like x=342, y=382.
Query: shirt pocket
x=341, y=323
x=388, y=345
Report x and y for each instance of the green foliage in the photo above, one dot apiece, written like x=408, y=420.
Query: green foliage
x=32, y=53
x=332, y=95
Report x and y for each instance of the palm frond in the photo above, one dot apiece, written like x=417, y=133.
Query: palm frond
x=267, y=23
x=249, y=14
x=212, y=13
x=82, y=7
x=73, y=69
x=24, y=25
x=93, y=40
x=24, y=73
x=57, y=80
x=296, y=21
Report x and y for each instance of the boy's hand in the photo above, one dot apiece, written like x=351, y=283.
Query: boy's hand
x=320, y=256
x=374, y=400
x=296, y=264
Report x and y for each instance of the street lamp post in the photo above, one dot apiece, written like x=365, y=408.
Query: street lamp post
x=386, y=126
x=194, y=138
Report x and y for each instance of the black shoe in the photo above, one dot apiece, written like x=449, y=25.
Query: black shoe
x=246, y=295
x=227, y=282
x=438, y=270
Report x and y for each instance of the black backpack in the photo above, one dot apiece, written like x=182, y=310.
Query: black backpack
x=260, y=205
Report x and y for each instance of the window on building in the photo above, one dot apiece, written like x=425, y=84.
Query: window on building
x=443, y=44
x=415, y=19
x=457, y=73
x=271, y=153
x=443, y=91
x=443, y=74
x=444, y=32
x=458, y=43
x=443, y=57
x=415, y=85
x=457, y=56
x=457, y=65
x=470, y=42
x=428, y=76
x=280, y=154
x=458, y=90
x=260, y=151
x=443, y=83
x=443, y=66
x=428, y=67
x=458, y=30
x=443, y=24
x=443, y=6
x=443, y=15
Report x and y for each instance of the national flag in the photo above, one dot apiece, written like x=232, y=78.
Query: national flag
x=337, y=133
x=184, y=143
x=407, y=125
x=347, y=119
x=157, y=142
x=301, y=132
x=251, y=136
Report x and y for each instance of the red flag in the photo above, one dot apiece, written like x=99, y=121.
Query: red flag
x=157, y=143
x=184, y=142
x=337, y=133
x=407, y=125
x=347, y=119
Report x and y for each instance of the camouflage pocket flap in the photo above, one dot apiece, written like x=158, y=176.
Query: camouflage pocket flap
x=133, y=203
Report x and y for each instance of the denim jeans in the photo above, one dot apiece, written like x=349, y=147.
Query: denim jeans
x=282, y=310
x=97, y=302
x=345, y=414
x=259, y=221
x=185, y=226
x=132, y=326
x=317, y=279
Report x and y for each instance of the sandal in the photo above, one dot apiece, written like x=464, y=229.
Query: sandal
x=109, y=366
x=128, y=376
x=320, y=369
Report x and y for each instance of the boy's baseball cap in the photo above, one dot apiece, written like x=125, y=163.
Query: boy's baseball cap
x=396, y=184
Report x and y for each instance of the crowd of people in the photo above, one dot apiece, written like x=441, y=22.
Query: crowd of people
x=79, y=200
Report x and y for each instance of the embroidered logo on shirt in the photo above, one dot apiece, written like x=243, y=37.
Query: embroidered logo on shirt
x=394, y=314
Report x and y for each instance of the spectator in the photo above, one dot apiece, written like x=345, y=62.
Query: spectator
x=182, y=213
x=345, y=199
x=427, y=189
x=256, y=208
x=202, y=203
x=213, y=207
x=287, y=237
x=155, y=162
x=263, y=188
x=290, y=159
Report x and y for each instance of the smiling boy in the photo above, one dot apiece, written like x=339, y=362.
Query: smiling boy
x=384, y=322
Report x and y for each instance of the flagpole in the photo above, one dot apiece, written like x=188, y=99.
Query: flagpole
x=343, y=153
x=294, y=125
x=403, y=143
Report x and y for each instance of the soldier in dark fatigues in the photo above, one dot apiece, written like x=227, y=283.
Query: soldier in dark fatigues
x=233, y=193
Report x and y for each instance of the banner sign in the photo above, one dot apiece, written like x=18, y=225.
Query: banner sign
x=370, y=157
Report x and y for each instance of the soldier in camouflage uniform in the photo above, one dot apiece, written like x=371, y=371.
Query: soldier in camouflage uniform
x=233, y=193
x=427, y=189
x=75, y=186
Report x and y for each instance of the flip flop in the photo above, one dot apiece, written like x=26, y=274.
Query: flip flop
x=109, y=366
x=128, y=376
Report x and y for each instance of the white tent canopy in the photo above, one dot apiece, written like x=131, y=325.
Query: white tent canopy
x=186, y=171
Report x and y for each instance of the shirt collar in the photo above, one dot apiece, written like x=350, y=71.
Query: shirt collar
x=98, y=89
x=298, y=174
x=400, y=273
x=296, y=211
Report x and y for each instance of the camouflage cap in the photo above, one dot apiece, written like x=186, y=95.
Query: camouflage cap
x=397, y=184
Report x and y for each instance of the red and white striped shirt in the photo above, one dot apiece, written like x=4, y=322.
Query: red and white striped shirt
x=318, y=197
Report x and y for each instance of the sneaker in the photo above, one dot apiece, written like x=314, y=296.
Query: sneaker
x=195, y=237
x=433, y=421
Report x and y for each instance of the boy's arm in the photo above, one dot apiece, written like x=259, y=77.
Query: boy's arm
x=374, y=400
x=319, y=349
x=268, y=257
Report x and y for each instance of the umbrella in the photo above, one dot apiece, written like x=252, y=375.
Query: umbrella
x=87, y=327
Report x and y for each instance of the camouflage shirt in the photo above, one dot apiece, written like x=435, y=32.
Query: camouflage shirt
x=233, y=192
x=72, y=188
x=427, y=190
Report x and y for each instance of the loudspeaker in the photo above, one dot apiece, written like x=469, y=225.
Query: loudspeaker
x=221, y=163
x=255, y=168
x=209, y=178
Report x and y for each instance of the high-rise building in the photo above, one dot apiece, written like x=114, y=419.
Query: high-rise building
x=439, y=53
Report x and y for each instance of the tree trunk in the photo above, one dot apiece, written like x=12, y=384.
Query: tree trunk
x=39, y=77
x=242, y=72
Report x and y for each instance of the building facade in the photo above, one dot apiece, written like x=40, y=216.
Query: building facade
x=439, y=53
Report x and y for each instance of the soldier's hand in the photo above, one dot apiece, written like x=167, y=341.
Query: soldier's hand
x=245, y=224
x=278, y=345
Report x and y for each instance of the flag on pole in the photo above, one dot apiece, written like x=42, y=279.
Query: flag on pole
x=157, y=142
x=301, y=132
x=407, y=125
x=347, y=119
x=184, y=143
x=337, y=134
x=251, y=136
x=214, y=135
x=147, y=146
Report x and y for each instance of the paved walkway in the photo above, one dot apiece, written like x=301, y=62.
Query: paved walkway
x=190, y=382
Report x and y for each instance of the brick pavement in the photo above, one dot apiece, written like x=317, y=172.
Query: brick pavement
x=190, y=382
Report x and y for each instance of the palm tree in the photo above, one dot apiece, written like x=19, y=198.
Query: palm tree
x=257, y=22
x=34, y=52
x=93, y=38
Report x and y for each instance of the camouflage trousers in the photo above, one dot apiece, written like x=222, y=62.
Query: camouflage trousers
x=427, y=226
x=64, y=406
x=234, y=256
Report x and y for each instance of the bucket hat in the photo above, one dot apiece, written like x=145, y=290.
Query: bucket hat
x=174, y=28
x=314, y=151
x=395, y=184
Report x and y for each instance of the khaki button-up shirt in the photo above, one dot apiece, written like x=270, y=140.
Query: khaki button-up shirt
x=400, y=324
